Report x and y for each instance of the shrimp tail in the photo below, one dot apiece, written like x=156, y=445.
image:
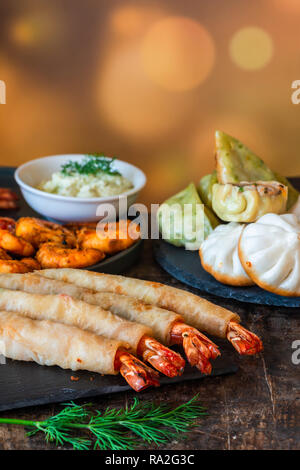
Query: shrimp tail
x=136, y=373
x=165, y=360
x=198, y=348
x=244, y=341
x=197, y=353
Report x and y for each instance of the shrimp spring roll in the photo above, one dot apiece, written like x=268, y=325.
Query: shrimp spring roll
x=195, y=310
x=89, y=316
x=65, y=309
x=168, y=327
x=49, y=343
x=158, y=319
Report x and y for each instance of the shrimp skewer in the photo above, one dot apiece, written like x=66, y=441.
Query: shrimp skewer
x=196, y=311
x=50, y=343
x=65, y=309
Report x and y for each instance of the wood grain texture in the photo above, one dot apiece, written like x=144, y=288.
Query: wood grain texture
x=256, y=408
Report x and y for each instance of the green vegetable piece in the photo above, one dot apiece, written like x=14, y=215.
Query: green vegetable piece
x=205, y=188
x=236, y=163
x=184, y=220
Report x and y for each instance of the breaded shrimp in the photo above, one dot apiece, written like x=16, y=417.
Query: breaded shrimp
x=9, y=265
x=76, y=226
x=110, y=237
x=31, y=263
x=4, y=254
x=37, y=231
x=15, y=244
x=6, y=223
x=8, y=199
x=55, y=255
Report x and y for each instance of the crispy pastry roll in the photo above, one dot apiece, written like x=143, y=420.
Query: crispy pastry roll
x=65, y=309
x=195, y=311
x=49, y=343
x=158, y=319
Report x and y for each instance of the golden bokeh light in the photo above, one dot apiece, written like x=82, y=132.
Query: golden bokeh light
x=251, y=48
x=36, y=29
x=23, y=32
x=132, y=103
x=289, y=5
x=131, y=20
x=175, y=171
x=178, y=53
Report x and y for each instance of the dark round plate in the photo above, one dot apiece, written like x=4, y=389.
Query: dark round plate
x=113, y=264
x=186, y=267
x=120, y=262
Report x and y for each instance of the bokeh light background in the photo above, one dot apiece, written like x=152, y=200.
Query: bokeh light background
x=149, y=82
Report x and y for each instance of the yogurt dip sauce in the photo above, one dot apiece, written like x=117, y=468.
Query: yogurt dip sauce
x=93, y=177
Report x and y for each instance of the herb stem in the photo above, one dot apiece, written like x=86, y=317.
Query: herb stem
x=115, y=429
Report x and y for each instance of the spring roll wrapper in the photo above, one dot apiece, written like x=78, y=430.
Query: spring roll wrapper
x=49, y=343
x=64, y=309
x=195, y=311
x=159, y=320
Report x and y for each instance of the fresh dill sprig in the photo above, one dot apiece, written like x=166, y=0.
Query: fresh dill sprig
x=90, y=165
x=116, y=429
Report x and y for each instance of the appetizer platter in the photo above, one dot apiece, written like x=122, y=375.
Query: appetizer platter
x=240, y=238
x=67, y=332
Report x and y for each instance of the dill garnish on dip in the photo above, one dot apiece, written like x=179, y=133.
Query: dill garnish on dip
x=93, y=176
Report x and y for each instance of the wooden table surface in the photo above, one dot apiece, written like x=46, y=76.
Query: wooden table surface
x=256, y=408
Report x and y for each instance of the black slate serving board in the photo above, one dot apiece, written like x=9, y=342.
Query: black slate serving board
x=27, y=384
x=186, y=266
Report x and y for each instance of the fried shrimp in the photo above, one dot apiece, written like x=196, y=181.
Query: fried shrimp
x=37, y=232
x=110, y=237
x=15, y=244
x=6, y=223
x=9, y=265
x=13, y=266
x=55, y=255
x=4, y=255
x=76, y=226
x=31, y=263
x=8, y=199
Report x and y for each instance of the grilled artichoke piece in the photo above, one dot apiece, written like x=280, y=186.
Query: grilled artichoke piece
x=205, y=188
x=246, y=201
x=183, y=219
x=236, y=163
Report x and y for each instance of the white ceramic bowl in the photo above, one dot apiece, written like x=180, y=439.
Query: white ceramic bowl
x=70, y=209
